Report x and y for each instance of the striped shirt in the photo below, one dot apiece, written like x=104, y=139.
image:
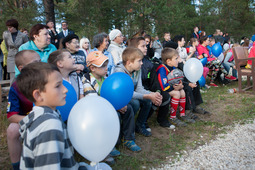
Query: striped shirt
x=45, y=141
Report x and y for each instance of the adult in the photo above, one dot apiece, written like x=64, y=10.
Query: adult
x=150, y=50
x=157, y=46
x=85, y=45
x=100, y=42
x=179, y=39
x=65, y=31
x=218, y=37
x=195, y=33
x=167, y=39
x=39, y=42
x=53, y=33
x=13, y=39
x=71, y=43
x=116, y=48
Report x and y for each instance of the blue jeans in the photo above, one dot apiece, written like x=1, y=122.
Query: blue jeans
x=227, y=67
x=145, y=107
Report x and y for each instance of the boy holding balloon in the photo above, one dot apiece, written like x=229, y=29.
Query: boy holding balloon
x=46, y=144
x=170, y=62
x=132, y=62
x=18, y=107
x=97, y=63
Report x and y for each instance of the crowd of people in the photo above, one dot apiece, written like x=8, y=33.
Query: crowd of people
x=37, y=64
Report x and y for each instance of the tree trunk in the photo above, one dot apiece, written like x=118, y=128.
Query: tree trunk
x=49, y=10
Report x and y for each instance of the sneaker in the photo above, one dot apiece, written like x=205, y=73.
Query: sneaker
x=200, y=110
x=132, y=145
x=190, y=115
x=142, y=131
x=213, y=85
x=230, y=78
x=187, y=119
x=147, y=127
x=167, y=125
x=178, y=122
x=109, y=160
x=114, y=152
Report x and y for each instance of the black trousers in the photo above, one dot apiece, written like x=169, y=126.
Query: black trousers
x=193, y=96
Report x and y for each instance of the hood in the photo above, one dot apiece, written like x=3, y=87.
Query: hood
x=121, y=68
x=36, y=112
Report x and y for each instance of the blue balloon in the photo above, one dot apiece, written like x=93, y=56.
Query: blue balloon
x=71, y=99
x=201, y=81
x=118, y=89
x=210, y=49
x=216, y=49
x=203, y=61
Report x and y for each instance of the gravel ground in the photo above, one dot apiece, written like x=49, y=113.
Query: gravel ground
x=234, y=150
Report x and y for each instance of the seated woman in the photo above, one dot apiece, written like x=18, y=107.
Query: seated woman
x=193, y=47
x=212, y=62
x=229, y=60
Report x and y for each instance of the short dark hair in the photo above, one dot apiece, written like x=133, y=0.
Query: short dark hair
x=134, y=42
x=56, y=56
x=178, y=38
x=168, y=53
x=147, y=36
x=99, y=39
x=12, y=23
x=35, y=30
x=69, y=38
x=130, y=54
x=34, y=76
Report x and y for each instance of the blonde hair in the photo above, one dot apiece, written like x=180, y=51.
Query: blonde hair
x=168, y=53
x=130, y=54
x=84, y=39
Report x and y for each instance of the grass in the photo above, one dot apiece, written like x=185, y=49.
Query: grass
x=165, y=146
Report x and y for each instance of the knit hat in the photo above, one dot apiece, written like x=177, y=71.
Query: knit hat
x=96, y=58
x=114, y=33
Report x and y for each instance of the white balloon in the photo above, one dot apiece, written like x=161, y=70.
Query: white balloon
x=193, y=70
x=93, y=127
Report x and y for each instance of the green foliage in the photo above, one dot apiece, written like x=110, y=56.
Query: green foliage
x=26, y=12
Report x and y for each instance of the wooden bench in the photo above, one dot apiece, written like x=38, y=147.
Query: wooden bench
x=241, y=58
x=3, y=83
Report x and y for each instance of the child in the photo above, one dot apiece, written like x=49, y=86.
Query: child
x=97, y=63
x=132, y=62
x=66, y=64
x=148, y=70
x=18, y=107
x=170, y=62
x=45, y=141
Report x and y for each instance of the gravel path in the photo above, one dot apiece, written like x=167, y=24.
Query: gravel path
x=235, y=150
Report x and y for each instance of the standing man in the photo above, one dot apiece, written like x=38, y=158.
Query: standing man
x=116, y=47
x=65, y=31
x=195, y=33
x=53, y=33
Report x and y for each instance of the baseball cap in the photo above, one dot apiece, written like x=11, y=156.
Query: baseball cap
x=96, y=58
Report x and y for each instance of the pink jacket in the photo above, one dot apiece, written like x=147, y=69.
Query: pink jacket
x=203, y=50
x=251, y=54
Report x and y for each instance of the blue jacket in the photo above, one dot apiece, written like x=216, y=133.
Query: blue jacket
x=44, y=55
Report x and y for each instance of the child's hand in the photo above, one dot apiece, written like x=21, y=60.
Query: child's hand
x=156, y=98
x=79, y=67
x=178, y=86
x=192, y=85
x=123, y=110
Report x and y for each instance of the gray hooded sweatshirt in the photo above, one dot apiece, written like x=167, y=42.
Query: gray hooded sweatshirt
x=136, y=77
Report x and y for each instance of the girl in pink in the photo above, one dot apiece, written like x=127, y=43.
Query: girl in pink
x=193, y=46
x=212, y=62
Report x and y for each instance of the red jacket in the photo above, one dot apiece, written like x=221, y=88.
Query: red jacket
x=251, y=54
